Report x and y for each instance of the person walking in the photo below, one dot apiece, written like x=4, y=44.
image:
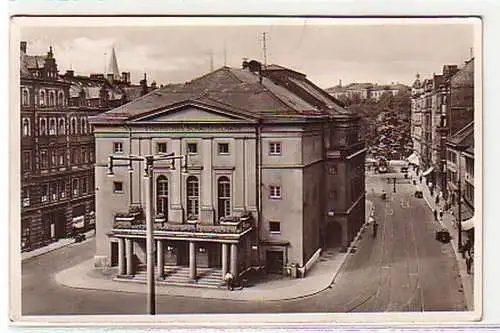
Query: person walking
x=375, y=227
x=229, y=278
x=441, y=213
x=435, y=214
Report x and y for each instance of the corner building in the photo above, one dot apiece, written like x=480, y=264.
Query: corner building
x=274, y=173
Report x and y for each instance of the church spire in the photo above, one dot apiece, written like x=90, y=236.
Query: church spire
x=113, y=66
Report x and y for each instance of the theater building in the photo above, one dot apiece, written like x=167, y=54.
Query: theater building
x=274, y=172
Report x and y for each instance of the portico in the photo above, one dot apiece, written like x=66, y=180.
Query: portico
x=224, y=250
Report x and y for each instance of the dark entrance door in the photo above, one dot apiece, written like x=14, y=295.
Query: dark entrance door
x=334, y=234
x=114, y=253
x=274, y=262
x=60, y=219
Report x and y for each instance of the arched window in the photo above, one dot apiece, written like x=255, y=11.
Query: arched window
x=162, y=196
x=26, y=127
x=62, y=127
x=192, y=197
x=60, y=99
x=52, y=127
x=42, y=98
x=25, y=98
x=52, y=98
x=223, y=197
x=43, y=126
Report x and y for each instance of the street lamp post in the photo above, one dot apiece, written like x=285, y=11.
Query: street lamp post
x=149, y=208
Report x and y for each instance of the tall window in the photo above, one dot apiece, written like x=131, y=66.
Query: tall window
x=45, y=192
x=60, y=100
x=193, y=200
x=44, y=159
x=76, y=190
x=25, y=98
x=73, y=126
x=52, y=127
x=26, y=197
x=62, y=189
x=53, y=158
x=26, y=127
x=42, y=98
x=84, y=184
x=162, y=195
x=52, y=98
x=62, y=126
x=43, y=126
x=53, y=191
x=83, y=127
x=26, y=161
x=224, y=197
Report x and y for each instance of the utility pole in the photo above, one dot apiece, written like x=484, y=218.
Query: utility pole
x=394, y=185
x=264, y=47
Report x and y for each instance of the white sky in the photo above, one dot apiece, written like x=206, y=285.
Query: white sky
x=326, y=53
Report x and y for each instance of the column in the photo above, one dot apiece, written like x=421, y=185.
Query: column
x=239, y=175
x=225, y=248
x=234, y=260
x=129, y=253
x=176, y=197
x=192, y=260
x=161, y=258
x=206, y=183
x=121, y=256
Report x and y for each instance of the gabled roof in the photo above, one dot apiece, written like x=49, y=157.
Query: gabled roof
x=238, y=91
x=464, y=138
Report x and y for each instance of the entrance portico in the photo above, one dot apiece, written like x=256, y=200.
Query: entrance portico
x=225, y=250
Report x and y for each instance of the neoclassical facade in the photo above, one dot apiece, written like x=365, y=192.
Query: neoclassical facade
x=273, y=173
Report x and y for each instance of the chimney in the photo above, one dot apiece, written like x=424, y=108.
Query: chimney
x=23, y=47
x=144, y=85
x=70, y=73
x=125, y=77
x=244, y=64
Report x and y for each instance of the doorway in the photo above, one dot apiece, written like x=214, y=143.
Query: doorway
x=274, y=262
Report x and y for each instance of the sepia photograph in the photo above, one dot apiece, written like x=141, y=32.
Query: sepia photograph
x=294, y=168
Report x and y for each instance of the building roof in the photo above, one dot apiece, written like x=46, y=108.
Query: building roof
x=464, y=138
x=239, y=91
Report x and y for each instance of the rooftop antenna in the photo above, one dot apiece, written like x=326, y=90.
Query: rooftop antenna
x=264, y=47
x=105, y=60
x=471, y=50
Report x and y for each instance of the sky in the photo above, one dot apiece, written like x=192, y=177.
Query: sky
x=348, y=50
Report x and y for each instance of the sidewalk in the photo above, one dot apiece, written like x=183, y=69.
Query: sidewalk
x=53, y=246
x=320, y=277
x=449, y=222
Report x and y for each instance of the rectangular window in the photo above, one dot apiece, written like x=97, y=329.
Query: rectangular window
x=26, y=197
x=62, y=156
x=73, y=156
x=53, y=158
x=223, y=148
x=26, y=161
x=45, y=192
x=76, y=189
x=275, y=148
x=44, y=159
x=161, y=147
x=275, y=227
x=117, y=147
x=117, y=187
x=275, y=192
x=84, y=186
x=62, y=189
x=84, y=156
x=53, y=191
x=192, y=148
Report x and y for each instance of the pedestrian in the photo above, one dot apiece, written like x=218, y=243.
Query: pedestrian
x=229, y=278
x=441, y=213
x=435, y=214
x=468, y=264
x=437, y=200
x=420, y=179
x=375, y=226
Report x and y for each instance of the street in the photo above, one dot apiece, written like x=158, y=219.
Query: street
x=403, y=269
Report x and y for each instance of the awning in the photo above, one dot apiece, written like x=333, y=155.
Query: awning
x=428, y=171
x=468, y=224
x=413, y=159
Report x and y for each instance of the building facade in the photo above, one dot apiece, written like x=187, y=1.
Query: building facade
x=365, y=91
x=273, y=172
x=57, y=148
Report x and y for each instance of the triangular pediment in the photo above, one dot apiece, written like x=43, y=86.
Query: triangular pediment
x=193, y=113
